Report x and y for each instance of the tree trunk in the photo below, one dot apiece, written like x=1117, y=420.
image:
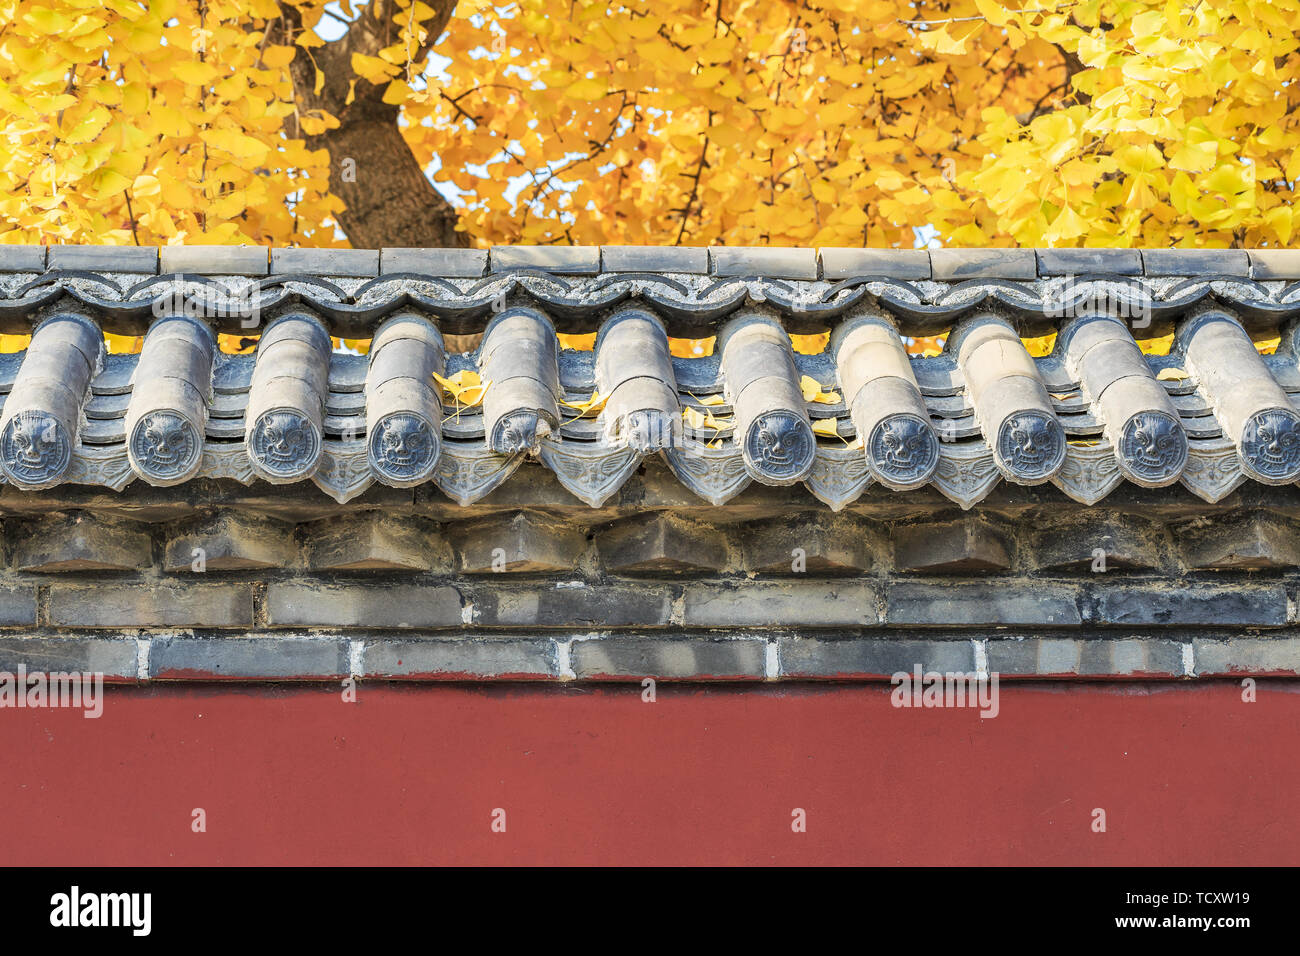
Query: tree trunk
x=390, y=201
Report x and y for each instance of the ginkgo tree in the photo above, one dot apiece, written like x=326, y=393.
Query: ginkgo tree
x=818, y=122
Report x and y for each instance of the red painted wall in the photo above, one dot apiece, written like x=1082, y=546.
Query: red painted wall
x=411, y=774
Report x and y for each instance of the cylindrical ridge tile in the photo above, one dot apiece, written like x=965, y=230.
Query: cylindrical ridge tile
x=1141, y=422
x=634, y=371
x=1011, y=403
x=772, y=428
x=286, y=399
x=1254, y=411
x=42, y=414
x=519, y=365
x=885, y=403
x=403, y=401
x=168, y=412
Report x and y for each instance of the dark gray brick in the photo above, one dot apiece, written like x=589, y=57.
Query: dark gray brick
x=1195, y=262
x=522, y=542
x=104, y=258
x=958, y=264
x=215, y=260
x=1068, y=542
x=774, y=262
x=229, y=541
x=22, y=258
x=684, y=259
x=445, y=263
x=310, y=604
x=572, y=605
x=566, y=260
x=151, y=605
x=693, y=658
x=1085, y=657
x=112, y=657
x=1268, y=264
x=781, y=603
x=1224, y=605
x=374, y=541
x=1252, y=541
x=1262, y=656
x=269, y=658
x=1080, y=262
x=81, y=542
x=982, y=603
x=325, y=262
x=462, y=658
x=17, y=606
x=871, y=657
x=844, y=263
x=966, y=544
x=830, y=545
x=658, y=542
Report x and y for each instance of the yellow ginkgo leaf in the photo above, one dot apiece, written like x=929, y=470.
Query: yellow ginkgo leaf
x=1170, y=375
x=812, y=392
x=826, y=426
x=464, y=388
x=708, y=400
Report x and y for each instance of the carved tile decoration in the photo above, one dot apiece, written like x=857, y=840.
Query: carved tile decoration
x=469, y=471
x=227, y=461
x=1031, y=446
x=36, y=449
x=1090, y=472
x=966, y=472
x=1213, y=469
x=101, y=465
x=779, y=448
x=344, y=470
x=839, y=475
x=1270, y=446
x=165, y=447
x=593, y=471
x=715, y=474
x=904, y=451
x=284, y=445
x=1153, y=448
x=403, y=450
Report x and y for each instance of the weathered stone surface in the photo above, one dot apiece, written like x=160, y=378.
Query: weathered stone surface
x=659, y=542
x=337, y=262
x=966, y=544
x=802, y=604
x=375, y=541
x=1268, y=264
x=446, y=263
x=1236, y=656
x=215, y=260
x=229, y=541
x=1191, y=262
x=17, y=606
x=690, y=658
x=773, y=261
x=104, y=258
x=990, y=603
x=1102, y=541
x=566, y=260
x=311, y=604
x=151, y=605
x=848, y=263
x=1210, y=604
x=521, y=541
x=488, y=658
x=1089, y=657
x=1244, y=542
x=1081, y=262
x=80, y=542
x=112, y=657
x=684, y=259
x=867, y=657
x=958, y=264
x=279, y=658
x=571, y=604
x=816, y=544
x=22, y=258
